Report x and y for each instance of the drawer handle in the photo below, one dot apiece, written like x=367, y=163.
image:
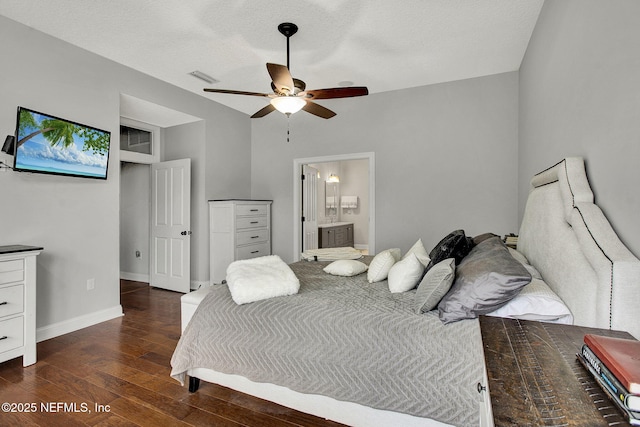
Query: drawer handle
x=253, y=210
x=4, y=303
x=253, y=222
x=255, y=252
x=3, y=338
x=255, y=237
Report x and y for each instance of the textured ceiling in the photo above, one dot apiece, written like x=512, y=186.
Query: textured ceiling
x=384, y=45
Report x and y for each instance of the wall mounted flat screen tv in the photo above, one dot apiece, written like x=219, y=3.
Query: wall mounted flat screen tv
x=49, y=144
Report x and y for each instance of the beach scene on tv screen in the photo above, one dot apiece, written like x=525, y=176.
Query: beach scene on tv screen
x=49, y=144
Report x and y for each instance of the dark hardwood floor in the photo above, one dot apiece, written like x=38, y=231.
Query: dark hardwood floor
x=116, y=373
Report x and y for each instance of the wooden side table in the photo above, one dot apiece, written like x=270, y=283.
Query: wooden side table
x=535, y=378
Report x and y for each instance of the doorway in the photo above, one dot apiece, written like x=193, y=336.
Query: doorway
x=142, y=147
x=135, y=202
x=155, y=223
x=351, y=200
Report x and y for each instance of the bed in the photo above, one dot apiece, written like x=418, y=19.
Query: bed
x=362, y=354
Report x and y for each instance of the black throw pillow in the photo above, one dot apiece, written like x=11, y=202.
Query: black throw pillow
x=454, y=245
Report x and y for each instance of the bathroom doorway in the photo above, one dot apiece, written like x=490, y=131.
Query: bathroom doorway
x=345, y=196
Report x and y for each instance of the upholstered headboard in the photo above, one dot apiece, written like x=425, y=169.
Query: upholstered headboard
x=569, y=240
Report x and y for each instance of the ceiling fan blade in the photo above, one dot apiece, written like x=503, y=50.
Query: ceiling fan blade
x=337, y=92
x=281, y=78
x=236, y=92
x=318, y=110
x=264, y=111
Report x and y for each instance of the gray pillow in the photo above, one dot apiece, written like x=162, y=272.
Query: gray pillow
x=434, y=285
x=486, y=279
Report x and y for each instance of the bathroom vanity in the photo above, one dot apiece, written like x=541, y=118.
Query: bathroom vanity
x=335, y=235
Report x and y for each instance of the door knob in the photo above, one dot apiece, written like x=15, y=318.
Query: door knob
x=186, y=233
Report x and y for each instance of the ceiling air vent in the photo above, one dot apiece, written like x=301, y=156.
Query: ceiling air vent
x=202, y=76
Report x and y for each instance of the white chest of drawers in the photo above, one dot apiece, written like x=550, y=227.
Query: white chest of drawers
x=238, y=229
x=18, y=303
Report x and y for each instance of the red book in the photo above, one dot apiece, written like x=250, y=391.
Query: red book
x=621, y=356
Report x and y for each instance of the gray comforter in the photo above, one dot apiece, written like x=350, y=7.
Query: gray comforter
x=344, y=338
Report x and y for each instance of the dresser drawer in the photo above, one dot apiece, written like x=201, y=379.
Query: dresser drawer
x=252, y=236
x=244, y=210
x=253, y=251
x=11, y=271
x=11, y=333
x=251, y=222
x=11, y=300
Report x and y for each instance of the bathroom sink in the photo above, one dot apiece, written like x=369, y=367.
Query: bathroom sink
x=333, y=224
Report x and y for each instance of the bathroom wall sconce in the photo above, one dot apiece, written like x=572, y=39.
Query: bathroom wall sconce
x=333, y=178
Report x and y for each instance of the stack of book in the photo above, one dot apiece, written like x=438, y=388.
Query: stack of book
x=511, y=240
x=615, y=364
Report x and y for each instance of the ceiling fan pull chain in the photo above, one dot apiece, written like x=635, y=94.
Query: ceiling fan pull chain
x=288, y=125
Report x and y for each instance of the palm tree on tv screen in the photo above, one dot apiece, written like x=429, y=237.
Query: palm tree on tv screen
x=60, y=132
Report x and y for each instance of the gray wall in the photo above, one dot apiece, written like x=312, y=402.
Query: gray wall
x=434, y=146
x=580, y=96
x=77, y=220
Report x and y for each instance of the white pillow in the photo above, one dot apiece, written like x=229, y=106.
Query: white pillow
x=381, y=264
x=536, y=301
x=346, y=267
x=519, y=256
x=405, y=274
x=419, y=251
x=396, y=253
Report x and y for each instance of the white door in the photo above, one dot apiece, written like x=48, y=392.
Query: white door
x=170, y=225
x=309, y=208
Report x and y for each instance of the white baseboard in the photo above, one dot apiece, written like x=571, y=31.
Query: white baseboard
x=76, y=323
x=136, y=277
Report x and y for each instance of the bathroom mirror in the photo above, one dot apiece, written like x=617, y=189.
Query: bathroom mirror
x=331, y=199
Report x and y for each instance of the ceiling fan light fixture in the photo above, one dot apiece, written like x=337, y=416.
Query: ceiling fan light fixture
x=290, y=95
x=288, y=104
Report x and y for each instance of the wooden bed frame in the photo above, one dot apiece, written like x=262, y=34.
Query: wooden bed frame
x=563, y=234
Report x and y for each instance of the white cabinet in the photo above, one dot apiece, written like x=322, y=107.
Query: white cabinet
x=18, y=303
x=238, y=229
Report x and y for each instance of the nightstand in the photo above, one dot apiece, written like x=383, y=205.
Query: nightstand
x=535, y=378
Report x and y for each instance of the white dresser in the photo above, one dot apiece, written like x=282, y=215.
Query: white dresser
x=18, y=303
x=238, y=229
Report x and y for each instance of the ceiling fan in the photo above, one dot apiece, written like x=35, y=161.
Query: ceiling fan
x=289, y=94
